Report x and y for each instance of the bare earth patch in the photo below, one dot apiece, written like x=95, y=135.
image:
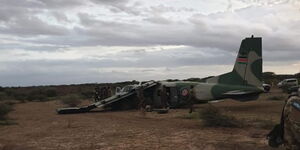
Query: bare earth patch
x=39, y=127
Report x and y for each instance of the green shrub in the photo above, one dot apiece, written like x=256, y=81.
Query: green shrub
x=87, y=94
x=9, y=92
x=51, y=93
x=4, y=110
x=71, y=100
x=213, y=117
x=3, y=96
x=36, y=97
x=19, y=96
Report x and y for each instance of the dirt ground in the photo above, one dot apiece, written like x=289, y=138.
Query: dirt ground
x=39, y=127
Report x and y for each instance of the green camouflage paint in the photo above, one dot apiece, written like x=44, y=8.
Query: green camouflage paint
x=244, y=81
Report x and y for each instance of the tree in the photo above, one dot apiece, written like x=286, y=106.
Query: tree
x=269, y=74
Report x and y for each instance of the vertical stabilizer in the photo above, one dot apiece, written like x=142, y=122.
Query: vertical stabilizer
x=248, y=65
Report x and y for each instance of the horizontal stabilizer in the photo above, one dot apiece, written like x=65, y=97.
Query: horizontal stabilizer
x=238, y=92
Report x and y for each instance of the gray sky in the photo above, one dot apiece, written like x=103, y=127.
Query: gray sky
x=73, y=41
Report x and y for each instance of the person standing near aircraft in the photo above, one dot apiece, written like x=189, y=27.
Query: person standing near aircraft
x=288, y=131
x=191, y=100
x=97, y=96
x=104, y=90
x=141, y=98
x=292, y=123
x=109, y=91
x=164, y=97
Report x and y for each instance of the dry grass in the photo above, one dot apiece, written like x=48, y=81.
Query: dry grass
x=263, y=123
x=39, y=127
x=212, y=116
x=277, y=97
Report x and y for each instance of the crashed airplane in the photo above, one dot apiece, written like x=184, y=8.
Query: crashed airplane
x=243, y=83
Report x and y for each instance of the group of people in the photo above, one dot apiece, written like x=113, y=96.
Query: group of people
x=102, y=93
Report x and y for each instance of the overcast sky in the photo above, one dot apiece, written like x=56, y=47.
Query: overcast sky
x=46, y=42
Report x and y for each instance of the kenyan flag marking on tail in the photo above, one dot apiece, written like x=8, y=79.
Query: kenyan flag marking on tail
x=242, y=60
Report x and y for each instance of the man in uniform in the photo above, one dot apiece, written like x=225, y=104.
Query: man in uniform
x=291, y=116
x=109, y=91
x=141, y=98
x=288, y=131
x=163, y=96
x=97, y=94
x=191, y=100
x=104, y=92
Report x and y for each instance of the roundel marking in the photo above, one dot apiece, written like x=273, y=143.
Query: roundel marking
x=184, y=92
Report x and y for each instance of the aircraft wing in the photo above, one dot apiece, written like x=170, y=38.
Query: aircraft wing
x=108, y=101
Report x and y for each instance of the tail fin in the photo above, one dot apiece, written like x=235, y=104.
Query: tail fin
x=247, y=70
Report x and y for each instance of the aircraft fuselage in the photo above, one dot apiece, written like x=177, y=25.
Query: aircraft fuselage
x=181, y=92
